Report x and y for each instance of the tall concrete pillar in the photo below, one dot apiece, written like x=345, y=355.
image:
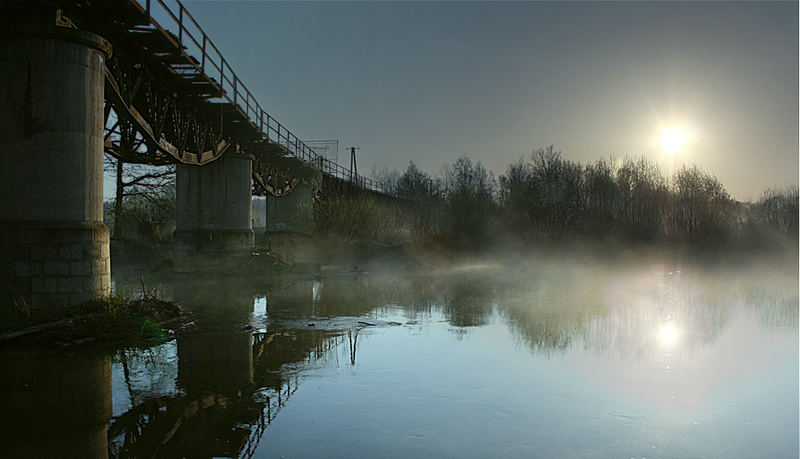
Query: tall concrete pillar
x=293, y=213
x=290, y=224
x=53, y=243
x=213, y=225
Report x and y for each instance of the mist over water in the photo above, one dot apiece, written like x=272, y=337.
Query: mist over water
x=660, y=355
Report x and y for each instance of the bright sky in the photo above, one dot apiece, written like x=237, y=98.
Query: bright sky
x=431, y=81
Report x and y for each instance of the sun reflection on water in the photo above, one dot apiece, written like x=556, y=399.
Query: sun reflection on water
x=669, y=334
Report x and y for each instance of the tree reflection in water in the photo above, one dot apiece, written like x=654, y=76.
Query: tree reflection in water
x=216, y=388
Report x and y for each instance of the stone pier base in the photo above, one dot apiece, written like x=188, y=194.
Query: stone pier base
x=222, y=250
x=55, y=263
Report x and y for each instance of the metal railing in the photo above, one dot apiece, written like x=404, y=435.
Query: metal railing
x=192, y=40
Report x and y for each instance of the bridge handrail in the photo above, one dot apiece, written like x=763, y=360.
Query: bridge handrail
x=239, y=96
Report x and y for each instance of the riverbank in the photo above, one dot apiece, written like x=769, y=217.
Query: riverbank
x=114, y=320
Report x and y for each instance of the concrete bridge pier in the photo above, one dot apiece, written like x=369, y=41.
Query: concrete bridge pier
x=53, y=243
x=290, y=224
x=213, y=225
x=293, y=213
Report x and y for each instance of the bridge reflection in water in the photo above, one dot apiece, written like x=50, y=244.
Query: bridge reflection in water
x=54, y=403
x=230, y=380
x=236, y=368
x=215, y=389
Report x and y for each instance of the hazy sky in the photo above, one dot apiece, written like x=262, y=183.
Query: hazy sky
x=431, y=81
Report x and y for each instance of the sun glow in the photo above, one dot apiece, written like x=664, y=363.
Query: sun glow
x=672, y=139
x=668, y=334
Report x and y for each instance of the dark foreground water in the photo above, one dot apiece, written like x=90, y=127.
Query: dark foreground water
x=550, y=358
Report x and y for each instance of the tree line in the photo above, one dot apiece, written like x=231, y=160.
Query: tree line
x=545, y=196
x=539, y=198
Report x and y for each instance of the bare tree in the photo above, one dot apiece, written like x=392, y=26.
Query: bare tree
x=136, y=180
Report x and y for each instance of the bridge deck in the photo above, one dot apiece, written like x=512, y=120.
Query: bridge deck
x=172, y=44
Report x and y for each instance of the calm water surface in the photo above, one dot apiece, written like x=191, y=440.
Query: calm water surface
x=549, y=358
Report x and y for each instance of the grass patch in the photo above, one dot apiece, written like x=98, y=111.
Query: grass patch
x=114, y=320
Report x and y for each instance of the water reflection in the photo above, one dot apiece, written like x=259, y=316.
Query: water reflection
x=468, y=300
x=212, y=407
x=220, y=387
x=637, y=311
x=253, y=344
x=668, y=334
x=352, y=345
x=54, y=403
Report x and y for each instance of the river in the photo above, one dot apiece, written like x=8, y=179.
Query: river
x=655, y=356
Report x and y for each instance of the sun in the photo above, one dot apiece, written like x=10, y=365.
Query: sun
x=672, y=139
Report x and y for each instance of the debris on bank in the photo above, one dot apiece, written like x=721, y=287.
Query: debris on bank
x=262, y=259
x=116, y=320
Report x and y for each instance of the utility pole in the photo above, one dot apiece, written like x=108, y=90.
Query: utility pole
x=353, y=165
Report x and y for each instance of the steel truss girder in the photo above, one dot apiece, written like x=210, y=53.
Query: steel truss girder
x=168, y=130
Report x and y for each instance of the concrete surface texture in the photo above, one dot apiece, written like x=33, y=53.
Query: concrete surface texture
x=54, y=242
x=293, y=213
x=213, y=213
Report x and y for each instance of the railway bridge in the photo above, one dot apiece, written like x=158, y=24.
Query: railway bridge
x=141, y=80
